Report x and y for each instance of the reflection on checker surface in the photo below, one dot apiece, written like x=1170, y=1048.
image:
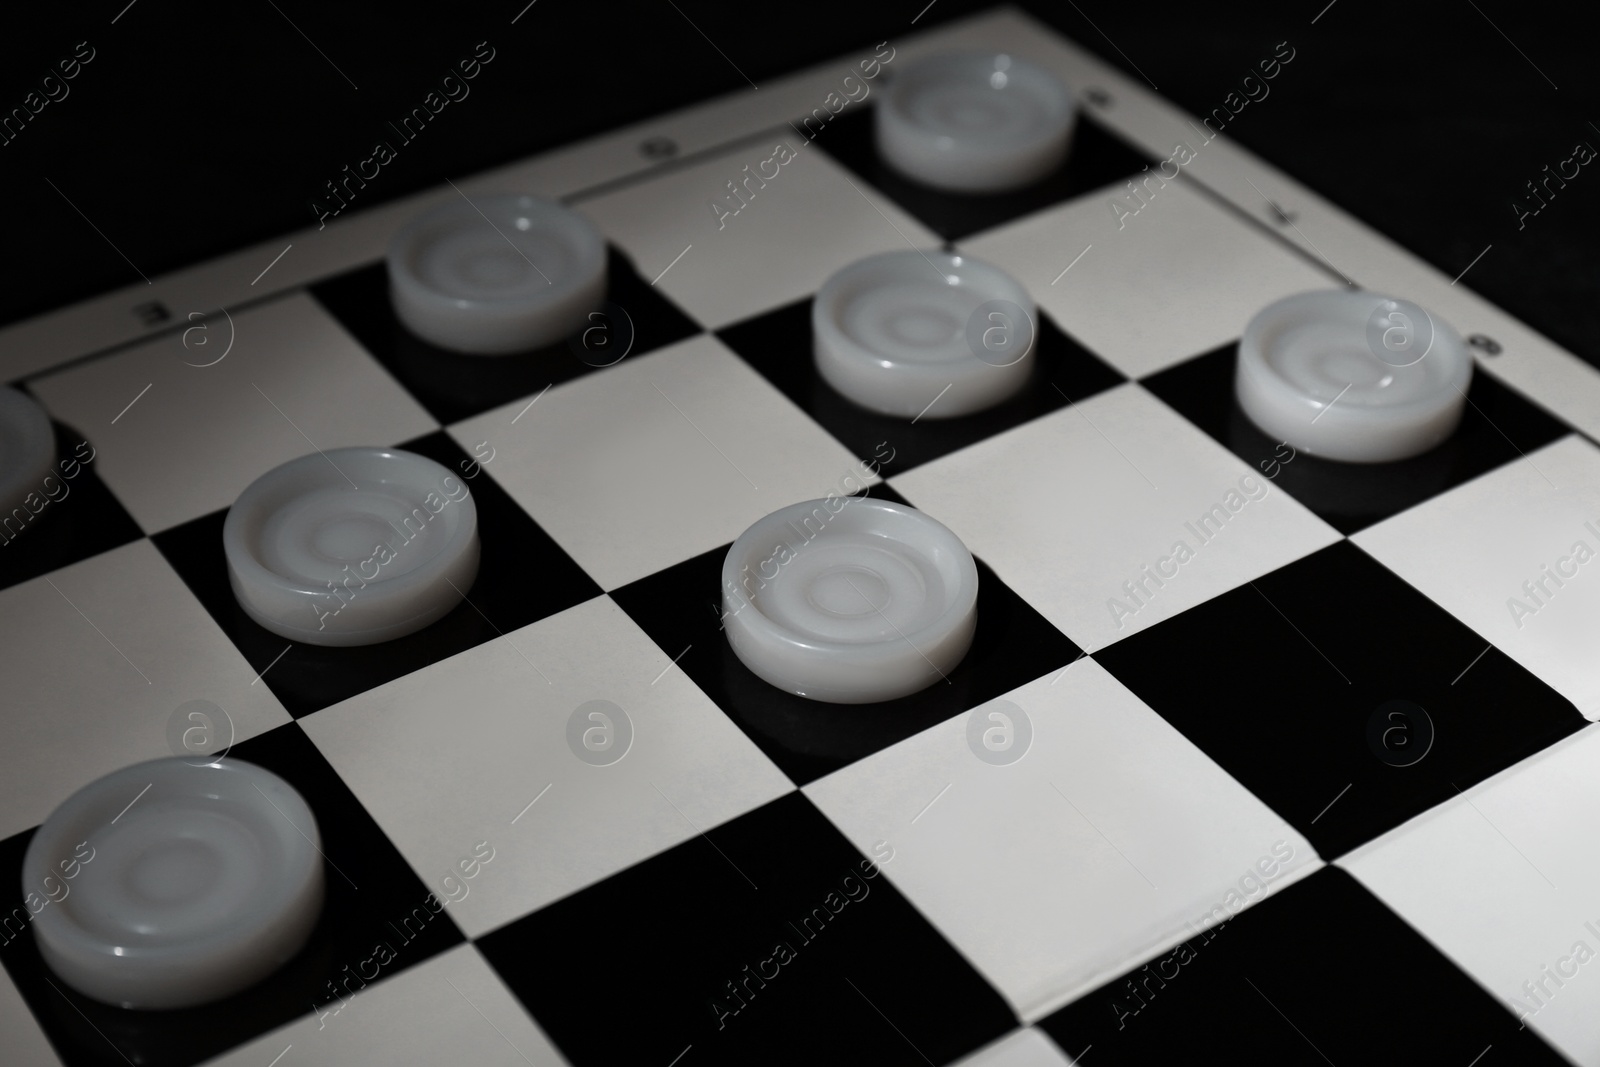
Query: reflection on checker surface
x=1106, y=824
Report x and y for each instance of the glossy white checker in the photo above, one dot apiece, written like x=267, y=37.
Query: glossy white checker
x=1092, y=852
x=1178, y=278
x=1528, y=361
x=792, y=231
x=414, y=1026
x=882, y=605
x=1020, y=1048
x=1472, y=549
x=657, y=459
x=360, y=236
x=293, y=382
x=449, y=1009
x=1070, y=506
x=21, y=1040
x=144, y=930
x=1501, y=880
x=476, y=749
x=110, y=649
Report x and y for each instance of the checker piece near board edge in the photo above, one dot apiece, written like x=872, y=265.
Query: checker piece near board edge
x=1353, y=376
x=352, y=546
x=496, y=275
x=174, y=884
x=972, y=122
x=849, y=600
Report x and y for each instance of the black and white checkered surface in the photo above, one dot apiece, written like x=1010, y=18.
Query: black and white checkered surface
x=1201, y=852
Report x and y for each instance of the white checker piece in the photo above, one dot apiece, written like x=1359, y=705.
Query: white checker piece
x=1472, y=549
x=1503, y=881
x=1020, y=1048
x=99, y=681
x=805, y=224
x=1094, y=851
x=449, y=1009
x=456, y=753
x=1181, y=277
x=657, y=459
x=646, y=464
x=1069, y=505
x=293, y=382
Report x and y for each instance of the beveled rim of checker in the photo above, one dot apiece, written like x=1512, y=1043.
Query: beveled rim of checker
x=1346, y=429
x=550, y=301
x=943, y=378
x=249, y=846
x=272, y=578
x=844, y=671
x=27, y=448
x=986, y=153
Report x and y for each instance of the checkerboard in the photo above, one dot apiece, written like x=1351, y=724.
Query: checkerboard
x=1322, y=795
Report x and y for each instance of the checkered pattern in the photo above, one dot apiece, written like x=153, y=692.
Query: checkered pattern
x=1211, y=839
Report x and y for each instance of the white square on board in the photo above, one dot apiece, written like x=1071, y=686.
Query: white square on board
x=1107, y=842
x=1500, y=880
x=793, y=231
x=658, y=459
x=293, y=382
x=1070, y=506
x=475, y=749
x=1496, y=553
x=1179, y=278
x=1020, y=1048
x=106, y=651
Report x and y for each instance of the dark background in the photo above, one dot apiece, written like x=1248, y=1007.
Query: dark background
x=197, y=129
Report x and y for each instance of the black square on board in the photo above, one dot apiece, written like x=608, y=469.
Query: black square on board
x=681, y=607
x=70, y=517
x=1095, y=158
x=1305, y=684
x=778, y=344
x=453, y=386
x=1295, y=978
x=1497, y=427
x=523, y=576
x=372, y=898
x=768, y=939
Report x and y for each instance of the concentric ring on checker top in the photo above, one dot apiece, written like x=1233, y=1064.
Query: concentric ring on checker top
x=1307, y=374
x=974, y=122
x=352, y=546
x=171, y=884
x=924, y=334
x=497, y=274
x=849, y=600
